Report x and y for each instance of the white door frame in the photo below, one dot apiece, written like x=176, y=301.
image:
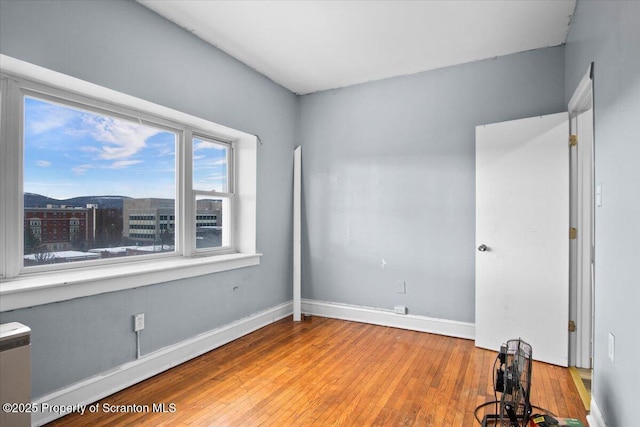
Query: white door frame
x=582, y=218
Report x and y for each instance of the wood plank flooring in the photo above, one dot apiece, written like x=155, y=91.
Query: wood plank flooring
x=327, y=372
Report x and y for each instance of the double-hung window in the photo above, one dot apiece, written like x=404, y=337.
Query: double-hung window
x=213, y=192
x=96, y=184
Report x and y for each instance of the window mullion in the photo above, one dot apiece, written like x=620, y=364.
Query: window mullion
x=231, y=172
x=212, y=193
x=187, y=201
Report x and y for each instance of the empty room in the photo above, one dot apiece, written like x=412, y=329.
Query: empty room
x=311, y=213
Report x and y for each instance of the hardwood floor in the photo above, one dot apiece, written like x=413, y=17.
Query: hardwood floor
x=327, y=372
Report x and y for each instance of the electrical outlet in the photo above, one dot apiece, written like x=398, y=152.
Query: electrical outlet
x=138, y=322
x=612, y=346
x=401, y=287
x=400, y=309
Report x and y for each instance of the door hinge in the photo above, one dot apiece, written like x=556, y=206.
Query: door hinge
x=572, y=326
x=573, y=233
x=573, y=140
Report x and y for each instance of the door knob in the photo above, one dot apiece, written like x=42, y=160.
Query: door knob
x=483, y=248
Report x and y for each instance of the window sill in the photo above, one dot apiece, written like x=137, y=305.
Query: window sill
x=34, y=289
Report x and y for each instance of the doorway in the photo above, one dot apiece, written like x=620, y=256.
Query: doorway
x=583, y=202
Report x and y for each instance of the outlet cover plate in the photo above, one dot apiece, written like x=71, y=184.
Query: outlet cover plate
x=139, y=322
x=612, y=346
x=400, y=309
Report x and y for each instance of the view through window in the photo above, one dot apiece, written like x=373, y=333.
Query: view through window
x=95, y=185
x=211, y=185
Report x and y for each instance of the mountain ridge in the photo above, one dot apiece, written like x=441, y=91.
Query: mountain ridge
x=32, y=200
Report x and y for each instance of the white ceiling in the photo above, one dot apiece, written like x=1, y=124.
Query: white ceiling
x=308, y=46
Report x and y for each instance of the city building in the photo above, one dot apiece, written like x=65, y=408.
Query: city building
x=108, y=227
x=56, y=228
x=148, y=220
x=153, y=220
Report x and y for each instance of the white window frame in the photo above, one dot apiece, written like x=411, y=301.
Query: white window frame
x=24, y=287
x=229, y=194
x=25, y=88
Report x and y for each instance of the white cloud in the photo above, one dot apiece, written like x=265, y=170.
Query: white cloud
x=121, y=139
x=115, y=139
x=206, y=145
x=207, y=163
x=81, y=169
x=164, y=149
x=89, y=149
x=43, y=163
x=49, y=117
x=124, y=163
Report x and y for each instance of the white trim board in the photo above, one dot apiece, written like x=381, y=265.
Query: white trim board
x=582, y=99
x=49, y=287
x=297, y=234
x=378, y=316
x=595, y=418
x=92, y=389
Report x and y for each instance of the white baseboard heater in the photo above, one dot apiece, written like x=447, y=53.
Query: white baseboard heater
x=15, y=371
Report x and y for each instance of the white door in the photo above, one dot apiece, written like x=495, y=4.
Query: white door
x=522, y=235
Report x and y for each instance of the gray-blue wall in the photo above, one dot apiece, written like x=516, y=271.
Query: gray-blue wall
x=389, y=174
x=608, y=34
x=126, y=47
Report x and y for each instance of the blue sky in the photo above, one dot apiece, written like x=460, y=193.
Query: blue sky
x=209, y=166
x=70, y=153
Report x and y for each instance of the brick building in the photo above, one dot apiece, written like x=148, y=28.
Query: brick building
x=60, y=227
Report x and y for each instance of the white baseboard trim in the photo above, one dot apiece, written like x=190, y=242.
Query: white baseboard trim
x=378, y=316
x=595, y=418
x=92, y=389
